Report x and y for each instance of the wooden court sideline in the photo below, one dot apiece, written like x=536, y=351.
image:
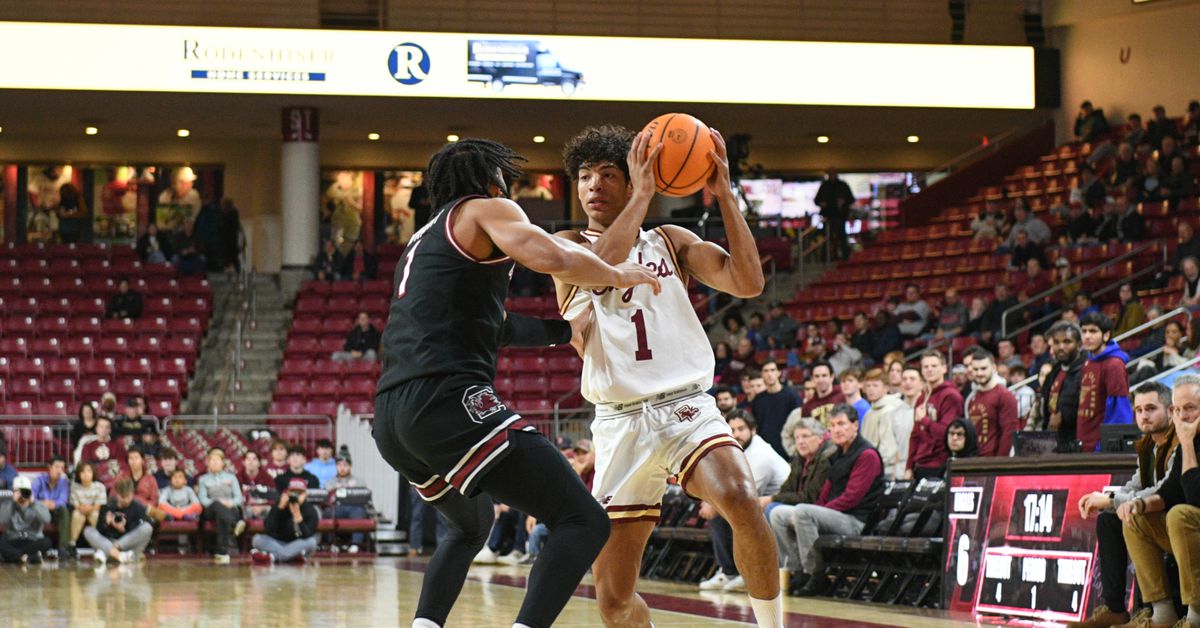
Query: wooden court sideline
x=356, y=592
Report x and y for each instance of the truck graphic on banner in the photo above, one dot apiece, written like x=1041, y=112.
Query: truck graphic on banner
x=498, y=63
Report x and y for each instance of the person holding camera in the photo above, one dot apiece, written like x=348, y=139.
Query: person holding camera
x=23, y=519
x=124, y=528
x=290, y=530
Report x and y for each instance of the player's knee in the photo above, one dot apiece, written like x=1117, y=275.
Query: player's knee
x=740, y=507
x=615, y=606
x=597, y=525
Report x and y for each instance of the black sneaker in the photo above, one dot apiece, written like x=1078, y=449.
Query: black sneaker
x=812, y=588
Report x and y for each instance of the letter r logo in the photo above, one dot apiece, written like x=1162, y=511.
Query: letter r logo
x=408, y=64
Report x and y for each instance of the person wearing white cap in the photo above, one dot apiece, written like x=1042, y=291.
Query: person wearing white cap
x=23, y=519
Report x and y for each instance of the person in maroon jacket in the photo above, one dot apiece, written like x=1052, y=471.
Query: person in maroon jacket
x=826, y=394
x=933, y=413
x=991, y=408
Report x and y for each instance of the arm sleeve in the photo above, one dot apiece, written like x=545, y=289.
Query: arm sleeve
x=237, y=493
x=824, y=495
x=519, y=330
x=1130, y=493
x=1009, y=422
x=203, y=494
x=1117, y=409
x=308, y=527
x=792, y=480
x=43, y=514
x=888, y=449
x=1191, y=486
x=866, y=469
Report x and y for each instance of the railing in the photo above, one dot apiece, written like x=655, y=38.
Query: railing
x=32, y=440
x=1145, y=246
x=1171, y=371
x=298, y=429
x=1129, y=334
x=231, y=375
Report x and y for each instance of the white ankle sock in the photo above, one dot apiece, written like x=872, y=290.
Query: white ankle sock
x=421, y=622
x=768, y=612
x=1193, y=615
x=519, y=625
x=1164, y=612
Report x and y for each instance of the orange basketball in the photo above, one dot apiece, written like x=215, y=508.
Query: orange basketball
x=683, y=166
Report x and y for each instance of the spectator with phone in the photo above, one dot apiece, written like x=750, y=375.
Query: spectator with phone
x=23, y=518
x=123, y=530
x=290, y=529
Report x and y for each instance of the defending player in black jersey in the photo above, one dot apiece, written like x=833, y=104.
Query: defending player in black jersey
x=439, y=421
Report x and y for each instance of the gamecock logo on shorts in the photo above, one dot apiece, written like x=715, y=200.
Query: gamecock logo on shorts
x=687, y=413
x=481, y=402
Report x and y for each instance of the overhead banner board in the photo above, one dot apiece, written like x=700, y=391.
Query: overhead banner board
x=108, y=57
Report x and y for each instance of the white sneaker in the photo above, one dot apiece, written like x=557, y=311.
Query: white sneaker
x=485, y=556
x=512, y=558
x=239, y=528
x=715, y=583
x=353, y=549
x=128, y=557
x=100, y=558
x=735, y=585
x=221, y=559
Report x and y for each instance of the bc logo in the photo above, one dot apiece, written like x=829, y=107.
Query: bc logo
x=408, y=64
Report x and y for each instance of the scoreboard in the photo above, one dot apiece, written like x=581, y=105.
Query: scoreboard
x=1016, y=547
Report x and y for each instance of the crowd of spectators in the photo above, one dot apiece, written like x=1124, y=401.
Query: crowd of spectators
x=352, y=263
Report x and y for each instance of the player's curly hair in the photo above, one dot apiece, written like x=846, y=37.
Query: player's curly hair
x=598, y=144
x=468, y=167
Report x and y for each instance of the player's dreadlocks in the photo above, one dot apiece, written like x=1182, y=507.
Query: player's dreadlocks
x=596, y=145
x=468, y=167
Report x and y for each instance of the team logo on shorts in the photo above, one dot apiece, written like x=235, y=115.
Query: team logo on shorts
x=687, y=412
x=481, y=402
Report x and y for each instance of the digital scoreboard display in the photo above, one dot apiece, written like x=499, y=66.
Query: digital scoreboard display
x=1016, y=547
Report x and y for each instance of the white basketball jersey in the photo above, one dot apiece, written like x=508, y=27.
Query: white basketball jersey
x=640, y=343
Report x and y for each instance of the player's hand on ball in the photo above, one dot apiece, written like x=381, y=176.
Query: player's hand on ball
x=630, y=274
x=719, y=183
x=641, y=160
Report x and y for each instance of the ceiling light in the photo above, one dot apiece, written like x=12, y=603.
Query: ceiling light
x=91, y=130
x=452, y=138
x=183, y=133
x=822, y=139
x=538, y=139
x=913, y=139
x=372, y=136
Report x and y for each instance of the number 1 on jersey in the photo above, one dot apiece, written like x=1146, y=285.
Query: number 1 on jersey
x=643, y=348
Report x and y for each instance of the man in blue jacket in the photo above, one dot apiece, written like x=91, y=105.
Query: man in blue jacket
x=1103, y=384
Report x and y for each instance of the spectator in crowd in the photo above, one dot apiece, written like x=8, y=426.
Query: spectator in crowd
x=961, y=441
x=145, y=486
x=584, y=461
x=772, y=406
x=153, y=246
x=86, y=423
x=752, y=385
x=1183, y=521
x=189, y=250
x=362, y=343
x=178, y=501
x=258, y=487
x=290, y=529
x=861, y=339
x=1037, y=232
x=892, y=408
x=851, y=381
x=990, y=324
x=1191, y=124
x=961, y=376
x=1187, y=245
x=812, y=347
x=975, y=316
x=1149, y=184
x=1065, y=277
x=843, y=356
x=1090, y=123
x=769, y=470
x=735, y=329
x=297, y=460
x=87, y=496
x=1173, y=354
x=986, y=225
x=835, y=199
x=722, y=353
x=168, y=461
x=886, y=336
x=1080, y=227
x=129, y=422
x=125, y=303
x=932, y=412
x=323, y=466
x=359, y=264
x=852, y=487
x=810, y=390
x=418, y=510
x=1059, y=399
x=1178, y=182
x=23, y=518
x=343, y=480
x=1159, y=126
x=825, y=396
x=1136, y=132
x=1090, y=191
x=754, y=332
x=1141, y=503
x=328, y=262
x=726, y=401
x=1085, y=306
x=277, y=461
x=779, y=328
x=229, y=237
x=1132, y=314
x=1030, y=284
x=991, y=408
x=1191, y=283
x=913, y=314
x=221, y=496
x=123, y=530
x=53, y=490
x=1025, y=395
x=107, y=406
x=507, y=537
x=953, y=317
x=1125, y=168
x=1039, y=350
x=1167, y=152
x=894, y=368
x=100, y=449
x=1006, y=354
x=811, y=453
x=742, y=360
x=1104, y=386
x=8, y=473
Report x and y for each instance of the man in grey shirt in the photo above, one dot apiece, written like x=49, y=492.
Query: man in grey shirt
x=913, y=313
x=1037, y=230
x=23, y=519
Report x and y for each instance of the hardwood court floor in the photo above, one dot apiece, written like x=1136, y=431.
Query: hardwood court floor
x=170, y=591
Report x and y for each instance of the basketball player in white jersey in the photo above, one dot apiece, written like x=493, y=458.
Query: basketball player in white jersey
x=647, y=365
